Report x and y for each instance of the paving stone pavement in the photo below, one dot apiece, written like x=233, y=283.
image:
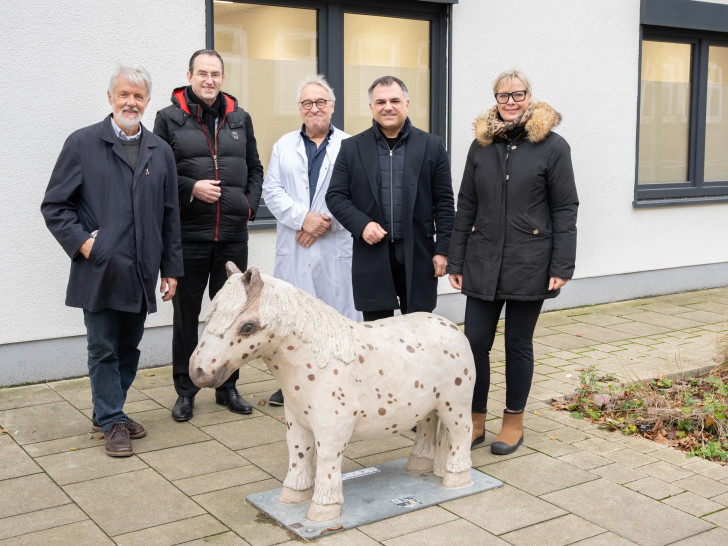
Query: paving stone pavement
x=569, y=483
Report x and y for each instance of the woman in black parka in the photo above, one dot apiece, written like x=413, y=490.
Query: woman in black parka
x=514, y=242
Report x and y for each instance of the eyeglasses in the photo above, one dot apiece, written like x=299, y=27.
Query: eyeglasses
x=320, y=103
x=518, y=96
x=216, y=76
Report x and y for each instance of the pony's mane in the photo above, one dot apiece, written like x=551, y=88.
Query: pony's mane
x=285, y=309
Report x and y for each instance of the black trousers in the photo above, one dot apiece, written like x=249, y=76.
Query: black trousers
x=203, y=261
x=481, y=321
x=396, y=264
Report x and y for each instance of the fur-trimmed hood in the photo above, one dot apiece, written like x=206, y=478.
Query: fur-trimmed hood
x=543, y=119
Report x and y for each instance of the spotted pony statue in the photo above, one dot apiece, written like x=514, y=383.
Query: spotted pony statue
x=343, y=380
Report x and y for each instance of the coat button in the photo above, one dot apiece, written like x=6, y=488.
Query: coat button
x=473, y=229
x=535, y=232
x=508, y=177
x=513, y=147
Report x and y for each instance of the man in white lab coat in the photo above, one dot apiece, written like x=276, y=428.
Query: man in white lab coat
x=313, y=250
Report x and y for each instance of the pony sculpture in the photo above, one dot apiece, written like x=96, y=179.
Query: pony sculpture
x=342, y=380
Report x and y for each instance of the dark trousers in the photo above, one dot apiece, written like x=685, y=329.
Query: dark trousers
x=113, y=357
x=396, y=264
x=481, y=321
x=203, y=261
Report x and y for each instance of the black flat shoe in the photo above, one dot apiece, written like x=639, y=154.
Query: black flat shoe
x=479, y=440
x=232, y=399
x=276, y=399
x=182, y=410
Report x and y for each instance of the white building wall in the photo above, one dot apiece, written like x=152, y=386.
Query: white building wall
x=582, y=57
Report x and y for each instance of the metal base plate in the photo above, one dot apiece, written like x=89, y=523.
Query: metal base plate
x=371, y=494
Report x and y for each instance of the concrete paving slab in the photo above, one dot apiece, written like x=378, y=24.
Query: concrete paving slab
x=565, y=341
x=627, y=513
x=508, y=509
x=29, y=494
x=552, y=474
x=605, y=539
x=248, y=432
x=553, y=447
x=82, y=532
x=714, y=536
x=223, y=539
x=362, y=448
x=15, y=461
x=133, y=501
x=229, y=506
x=619, y=473
x=693, y=504
x=72, y=443
x=652, y=487
x=173, y=533
x=164, y=433
x=673, y=456
x=224, y=479
x=181, y=462
x=600, y=446
x=87, y=464
x=30, y=395
x=585, y=460
x=593, y=332
x=40, y=423
x=466, y=533
x=703, y=486
x=665, y=471
x=719, y=518
x=556, y=532
x=39, y=520
x=631, y=458
x=407, y=523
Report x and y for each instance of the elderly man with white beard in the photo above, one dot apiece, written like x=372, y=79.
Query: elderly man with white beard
x=313, y=250
x=112, y=205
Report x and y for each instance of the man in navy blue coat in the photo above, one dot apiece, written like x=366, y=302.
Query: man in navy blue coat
x=391, y=188
x=112, y=205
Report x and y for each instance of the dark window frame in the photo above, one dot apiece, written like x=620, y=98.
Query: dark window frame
x=702, y=25
x=330, y=22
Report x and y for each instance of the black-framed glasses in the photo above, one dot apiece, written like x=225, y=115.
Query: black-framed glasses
x=320, y=103
x=518, y=96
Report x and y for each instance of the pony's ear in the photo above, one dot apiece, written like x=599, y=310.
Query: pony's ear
x=253, y=283
x=231, y=269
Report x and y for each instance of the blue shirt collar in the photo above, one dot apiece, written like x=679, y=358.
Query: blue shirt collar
x=121, y=134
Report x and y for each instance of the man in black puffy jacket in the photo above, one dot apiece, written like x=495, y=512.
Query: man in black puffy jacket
x=220, y=180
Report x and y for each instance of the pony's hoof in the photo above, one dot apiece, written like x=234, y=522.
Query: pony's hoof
x=293, y=496
x=453, y=480
x=323, y=512
x=419, y=465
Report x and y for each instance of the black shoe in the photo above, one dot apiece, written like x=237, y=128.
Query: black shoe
x=276, y=399
x=232, y=399
x=182, y=410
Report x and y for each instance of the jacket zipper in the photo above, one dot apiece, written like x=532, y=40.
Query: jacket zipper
x=217, y=175
x=391, y=195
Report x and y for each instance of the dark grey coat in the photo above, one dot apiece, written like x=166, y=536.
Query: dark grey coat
x=93, y=187
x=427, y=217
x=515, y=225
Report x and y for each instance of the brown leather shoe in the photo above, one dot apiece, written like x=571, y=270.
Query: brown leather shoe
x=136, y=430
x=117, y=442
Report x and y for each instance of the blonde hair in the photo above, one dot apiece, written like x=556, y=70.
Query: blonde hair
x=510, y=75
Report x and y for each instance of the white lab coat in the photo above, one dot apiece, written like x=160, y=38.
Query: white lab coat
x=323, y=269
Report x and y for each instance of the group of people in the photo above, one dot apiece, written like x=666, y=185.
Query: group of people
x=366, y=223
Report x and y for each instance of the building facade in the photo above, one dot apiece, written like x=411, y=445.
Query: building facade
x=642, y=86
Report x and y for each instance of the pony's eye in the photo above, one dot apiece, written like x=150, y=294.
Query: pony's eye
x=248, y=328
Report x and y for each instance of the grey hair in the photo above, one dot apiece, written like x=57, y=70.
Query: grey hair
x=315, y=79
x=135, y=75
x=510, y=75
x=387, y=81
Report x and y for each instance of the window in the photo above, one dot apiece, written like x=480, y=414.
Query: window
x=270, y=46
x=682, y=145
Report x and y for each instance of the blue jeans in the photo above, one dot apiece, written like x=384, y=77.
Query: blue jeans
x=113, y=358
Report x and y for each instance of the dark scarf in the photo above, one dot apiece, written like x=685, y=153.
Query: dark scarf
x=209, y=113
